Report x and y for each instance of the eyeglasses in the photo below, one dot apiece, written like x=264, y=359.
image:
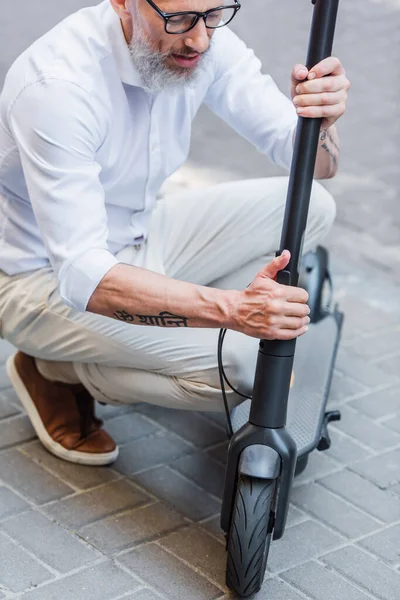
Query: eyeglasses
x=180, y=22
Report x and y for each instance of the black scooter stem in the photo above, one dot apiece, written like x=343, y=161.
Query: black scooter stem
x=275, y=357
x=306, y=145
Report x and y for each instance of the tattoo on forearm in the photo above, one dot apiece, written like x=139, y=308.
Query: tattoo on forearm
x=334, y=144
x=164, y=319
x=325, y=146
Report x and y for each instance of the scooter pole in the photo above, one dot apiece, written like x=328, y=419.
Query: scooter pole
x=268, y=412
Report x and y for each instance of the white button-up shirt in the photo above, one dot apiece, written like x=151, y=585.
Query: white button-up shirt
x=85, y=147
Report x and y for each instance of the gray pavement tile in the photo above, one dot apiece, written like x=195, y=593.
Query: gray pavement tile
x=317, y=581
x=15, y=430
x=355, y=367
x=343, y=388
x=385, y=544
x=275, y=589
x=319, y=464
x=203, y=470
x=128, y=427
x=6, y=350
x=301, y=543
x=18, y=570
x=49, y=542
x=187, y=424
x=390, y=364
x=144, y=594
x=213, y=526
x=5, y=383
x=345, y=518
x=166, y=573
x=377, y=345
x=10, y=503
x=130, y=529
x=30, y=480
x=364, y=494
x=78, y=476
x=368, y=432
x=369, y=573
x=94, y=505
x=179, y=492
x=384, y=470
x=7, y=409
x=200, y=550
x=220, y=452
x=151, y=451
x=109, y=411
x=345, y=449
x=394, y=423
x=378, y=404
x=100, y=582
x=295, y=516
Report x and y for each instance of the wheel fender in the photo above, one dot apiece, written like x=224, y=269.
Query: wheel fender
x=260, y=461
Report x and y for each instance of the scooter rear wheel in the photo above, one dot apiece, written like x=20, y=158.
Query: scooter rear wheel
x=250, y=535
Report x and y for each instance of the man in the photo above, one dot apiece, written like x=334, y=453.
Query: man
x=107, y=293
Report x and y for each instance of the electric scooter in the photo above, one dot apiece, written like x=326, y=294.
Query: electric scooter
x=273, y=433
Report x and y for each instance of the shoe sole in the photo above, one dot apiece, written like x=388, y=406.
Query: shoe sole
x=73, y=456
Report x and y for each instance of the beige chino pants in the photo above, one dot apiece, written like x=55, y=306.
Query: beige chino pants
x=221, y=236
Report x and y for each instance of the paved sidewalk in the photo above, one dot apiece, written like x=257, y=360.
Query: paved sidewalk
x=148, y=527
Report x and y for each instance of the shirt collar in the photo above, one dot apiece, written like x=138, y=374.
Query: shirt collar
x=120, y=50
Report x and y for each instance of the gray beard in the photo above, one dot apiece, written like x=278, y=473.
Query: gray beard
x=153, y=70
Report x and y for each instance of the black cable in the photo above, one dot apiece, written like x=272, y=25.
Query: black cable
x=223, y=378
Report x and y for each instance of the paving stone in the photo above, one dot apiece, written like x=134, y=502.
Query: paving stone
x=6, y=350
x=378, y=404
x=144, y=594
x=203, y=470
x=345, y=518
x=301, y=543
x=130, y=529
x=319, y=464
x=377, y=345
x=7, y=409
x=88, y=507
x=343, y=388
x=101, y=582
x=317, y=581
x=366, y=431
x=385, y=544
x=49, y=542
x=213, y=526
x=364, y=494
x=390, y=365
x=369, y=573
x=109, y=411
x=29, y=479
x=394, y=423
x=295, y=516
x=199, y=549
x=384, y=470
x=15, y=431
x=10, y=503
x=149, y=452
x=275, y=589
x=184, y=495
x=355, y=367
x=129, y=427
x=220, y=452
x=187, y=424
x=78, y=476
x=345, y=449
x=18, y=570
x=169, y=575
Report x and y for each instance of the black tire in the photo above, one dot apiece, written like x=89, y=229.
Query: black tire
x=250, y=535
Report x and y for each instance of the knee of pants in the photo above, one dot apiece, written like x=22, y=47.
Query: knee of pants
x=322, y=211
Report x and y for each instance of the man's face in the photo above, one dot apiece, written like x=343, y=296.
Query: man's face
x=166, y=60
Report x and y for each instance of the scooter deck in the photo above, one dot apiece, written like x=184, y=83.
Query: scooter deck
x=313, y=366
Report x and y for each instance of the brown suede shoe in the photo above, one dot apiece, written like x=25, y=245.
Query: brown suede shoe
x=61, y=414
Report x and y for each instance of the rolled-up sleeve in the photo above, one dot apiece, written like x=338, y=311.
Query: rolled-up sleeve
x=250, y=101
x=58, y=131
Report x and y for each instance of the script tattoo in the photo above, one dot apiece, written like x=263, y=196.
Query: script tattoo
x=164, y=319
x=325, y=146
x=122, y=315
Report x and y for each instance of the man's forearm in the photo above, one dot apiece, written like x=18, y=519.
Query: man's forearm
x=142, y=297
x=327, y=160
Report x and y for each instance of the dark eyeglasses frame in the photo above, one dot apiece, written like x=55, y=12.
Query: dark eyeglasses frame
x=198, y=15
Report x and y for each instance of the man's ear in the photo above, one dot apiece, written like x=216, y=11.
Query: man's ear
x=121, y=8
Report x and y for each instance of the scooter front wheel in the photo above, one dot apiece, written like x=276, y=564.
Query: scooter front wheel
x=250, y=535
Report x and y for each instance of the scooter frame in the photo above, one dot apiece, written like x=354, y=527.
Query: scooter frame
x=263, y=448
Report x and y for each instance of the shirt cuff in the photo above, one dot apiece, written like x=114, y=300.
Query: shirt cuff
x=81, y=278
